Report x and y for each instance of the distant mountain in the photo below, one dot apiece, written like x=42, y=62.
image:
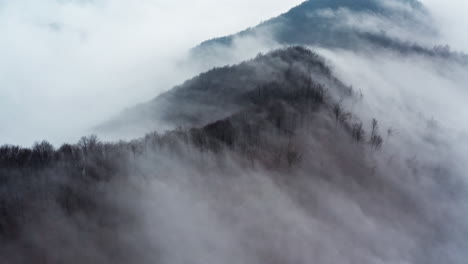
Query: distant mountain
x=400, y=25
x=323, y=22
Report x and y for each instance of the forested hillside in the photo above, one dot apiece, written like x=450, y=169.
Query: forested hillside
x=266, y=167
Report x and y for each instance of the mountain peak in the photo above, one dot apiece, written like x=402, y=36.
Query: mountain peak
x=335, y=24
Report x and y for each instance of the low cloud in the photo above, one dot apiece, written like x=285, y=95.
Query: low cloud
x=69, y=65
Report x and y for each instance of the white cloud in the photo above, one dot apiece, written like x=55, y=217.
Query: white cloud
x=452, y=20
x=68, y=65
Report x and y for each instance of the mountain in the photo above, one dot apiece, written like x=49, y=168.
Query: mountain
x=266, y=166
x=363, y=26
x=223, y=91
x=346, y=152
x=404, y=26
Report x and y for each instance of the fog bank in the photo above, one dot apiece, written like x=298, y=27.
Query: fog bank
x=70, y=65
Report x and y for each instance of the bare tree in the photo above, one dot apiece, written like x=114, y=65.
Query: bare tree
x=89, y=144
x=357, y=131
x=376, y=140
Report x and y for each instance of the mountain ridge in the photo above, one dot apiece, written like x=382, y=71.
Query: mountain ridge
x=324, y=23
x=221, y=91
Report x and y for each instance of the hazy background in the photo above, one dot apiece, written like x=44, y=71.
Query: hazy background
x=69, y=65
x=451, y=19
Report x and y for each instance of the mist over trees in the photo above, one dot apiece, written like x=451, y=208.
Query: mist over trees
x=349, y=153
x=278, y=171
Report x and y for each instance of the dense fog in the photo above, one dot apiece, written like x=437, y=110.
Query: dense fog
x=69, y=65
x=345, y=144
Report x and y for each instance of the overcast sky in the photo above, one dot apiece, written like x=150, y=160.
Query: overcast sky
x=452, y=19
x=67, y=65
